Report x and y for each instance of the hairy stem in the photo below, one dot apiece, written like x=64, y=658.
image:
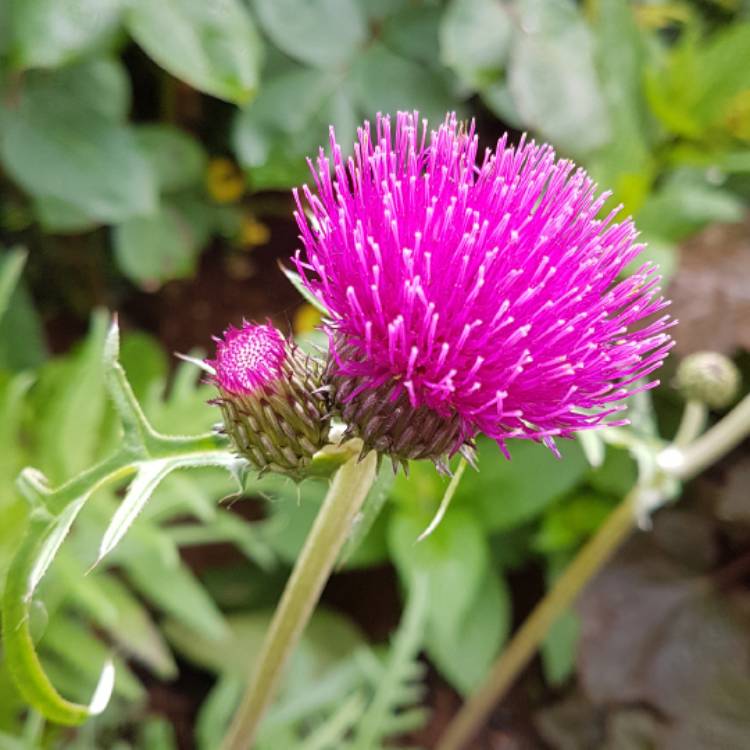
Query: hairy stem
x=311, y=571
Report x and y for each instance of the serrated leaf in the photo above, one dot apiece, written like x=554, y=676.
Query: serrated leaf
x=19, y=652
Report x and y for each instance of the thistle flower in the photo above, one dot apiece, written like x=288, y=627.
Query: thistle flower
x=472, y=294
x=270, y=399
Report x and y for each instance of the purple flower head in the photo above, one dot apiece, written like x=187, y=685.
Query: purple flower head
x=271, y=398
x=481, y=288
x=248, y=358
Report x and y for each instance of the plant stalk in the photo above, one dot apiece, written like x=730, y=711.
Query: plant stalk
x=688, y=462
x=525, y=643
x=348, y=491
x=692, y=424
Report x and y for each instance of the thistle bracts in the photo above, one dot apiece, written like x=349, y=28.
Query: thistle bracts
x=271, y=401
x=386, y=422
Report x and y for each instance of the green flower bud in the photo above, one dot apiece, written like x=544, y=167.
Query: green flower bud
x=709, y=377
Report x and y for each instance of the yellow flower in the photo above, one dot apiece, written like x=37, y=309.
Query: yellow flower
x=224, y=180
x=253, y=232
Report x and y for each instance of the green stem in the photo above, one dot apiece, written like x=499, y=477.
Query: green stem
x=716, y=442
x=311, y=572
x=692, y=424
x=678, y=462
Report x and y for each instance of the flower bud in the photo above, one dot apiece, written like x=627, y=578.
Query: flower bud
x=270, y=399
x=709, y=377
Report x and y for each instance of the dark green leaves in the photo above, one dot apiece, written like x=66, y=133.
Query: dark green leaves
x=62, y=139
x=323, y=33
x=48, y=33
x=213, y=46
x=475, y=37
x=553, y=79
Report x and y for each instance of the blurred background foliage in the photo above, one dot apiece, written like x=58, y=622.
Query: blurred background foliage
x=146, y=155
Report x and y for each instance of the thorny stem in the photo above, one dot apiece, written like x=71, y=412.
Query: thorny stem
x=303, y=589
x=675, y=462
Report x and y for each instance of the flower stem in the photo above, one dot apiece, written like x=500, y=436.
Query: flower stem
x=304, y=587
x=689, y=461
x=692, y=424
x=716, y=442
x=525, y=643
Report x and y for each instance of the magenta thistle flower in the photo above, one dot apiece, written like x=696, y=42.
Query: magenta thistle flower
x=248, y=358
x=473, y=293
x=270, y=399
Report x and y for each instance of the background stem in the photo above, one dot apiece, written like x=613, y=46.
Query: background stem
x=303, y=589
x=700, y=453
x=525, y=643
x=692, y=424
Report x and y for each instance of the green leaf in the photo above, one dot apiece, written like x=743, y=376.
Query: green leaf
x=385, y=82
x=56, y=142
x=296, y=282
x=371, y=511
x=11, y=266
x=58, y=216
x=272, y=139
x=552, y=77
x=72, y=401
x=73, y=645
x=684, y=203
x=126, y=621
x=50, y=33
x=413, y=33
x=475, y=38
x=324, y=33
x=559, y=648
x=453, y=558
x=43, y=537
x=178, y=160
x=22, y=344
x=568, y=523
x=173, y=589
x=395, y=692
x=625, y=163
x=507, y=493
x=212, y=46
x=693, y=89
x=482, y=633
x=156, y=247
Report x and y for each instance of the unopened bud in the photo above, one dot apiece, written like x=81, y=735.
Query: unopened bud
x=270, y=399
x=709, y=377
